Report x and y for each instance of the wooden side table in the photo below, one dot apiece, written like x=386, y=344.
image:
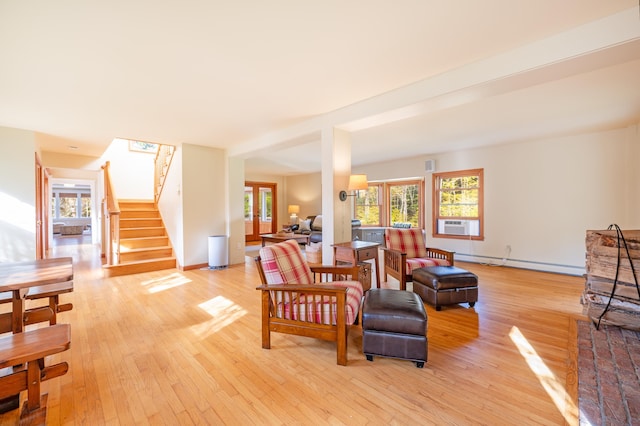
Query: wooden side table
x=354, y=252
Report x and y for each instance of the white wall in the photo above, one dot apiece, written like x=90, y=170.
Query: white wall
x=132, y=173
x=17, y=195
x=235, y=218
x=540, y=196
x=305, y=191
x=204, y=195
x=171, y=205
x=70, y=165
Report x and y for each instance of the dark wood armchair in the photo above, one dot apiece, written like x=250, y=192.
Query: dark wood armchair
x=406, y=250
x=295, y=300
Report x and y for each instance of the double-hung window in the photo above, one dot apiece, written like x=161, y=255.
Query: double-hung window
x=391, y=203
x=458, y=204
x=405, y=203
x=369, y=205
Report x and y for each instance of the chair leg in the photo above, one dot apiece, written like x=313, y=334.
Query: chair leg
x=403, y=282
x=266, y=324
x=341, y=343
x=266, y=336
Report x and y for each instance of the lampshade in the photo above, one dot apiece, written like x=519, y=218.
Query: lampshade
x=294, y=208
x=357, y=182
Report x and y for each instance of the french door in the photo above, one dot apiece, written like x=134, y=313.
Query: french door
x=260, y=209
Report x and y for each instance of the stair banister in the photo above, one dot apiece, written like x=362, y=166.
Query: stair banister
x=164, y=155
x=111, y=211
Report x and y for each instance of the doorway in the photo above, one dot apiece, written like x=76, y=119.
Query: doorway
x=260, y=209
x=72, y=212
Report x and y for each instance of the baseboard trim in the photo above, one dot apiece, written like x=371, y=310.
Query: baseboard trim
x=522, y=264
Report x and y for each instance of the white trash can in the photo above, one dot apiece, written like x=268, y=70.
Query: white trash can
x=218, y=252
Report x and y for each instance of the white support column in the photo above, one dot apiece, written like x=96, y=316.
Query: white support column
x=336, y=167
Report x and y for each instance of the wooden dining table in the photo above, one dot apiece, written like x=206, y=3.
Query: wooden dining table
x=19, y=277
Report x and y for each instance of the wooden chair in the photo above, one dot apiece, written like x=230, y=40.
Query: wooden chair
x=52, y=292
x=406, y=250
x=294, y=303
x=42, y=313
x=29, y=349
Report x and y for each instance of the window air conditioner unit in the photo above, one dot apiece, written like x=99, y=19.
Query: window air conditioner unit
x=456, y=227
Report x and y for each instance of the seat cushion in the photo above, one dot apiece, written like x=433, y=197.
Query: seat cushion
x=283, y=263
x=312, y=310
x=445, y=277
x=421, y=262
x=394, y=311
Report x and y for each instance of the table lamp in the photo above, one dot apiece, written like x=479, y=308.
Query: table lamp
x=294, y=209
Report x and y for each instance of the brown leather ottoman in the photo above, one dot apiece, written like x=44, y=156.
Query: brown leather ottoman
x=394, y=324
x=445, y=285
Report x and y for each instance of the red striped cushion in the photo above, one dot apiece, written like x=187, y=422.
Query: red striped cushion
x=283, y=263
x=312, y=309
x=410, y=241
x=417, y=263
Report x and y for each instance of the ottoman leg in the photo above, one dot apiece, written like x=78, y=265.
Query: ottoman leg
x=419, y=364
x=472, y=304
x=370, y=358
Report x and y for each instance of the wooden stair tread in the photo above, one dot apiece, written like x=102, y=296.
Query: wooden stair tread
x=142, y=227
x=142, y=238
x=138, y=266
x=143, y=249
x=143, y=261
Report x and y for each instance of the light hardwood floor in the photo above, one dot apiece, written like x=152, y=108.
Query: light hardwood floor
x=176, y=347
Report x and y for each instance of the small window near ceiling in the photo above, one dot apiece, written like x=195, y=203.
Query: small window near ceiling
x=138, y=146
x=458, y=205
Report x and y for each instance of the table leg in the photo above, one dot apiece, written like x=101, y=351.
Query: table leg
x=18, y=310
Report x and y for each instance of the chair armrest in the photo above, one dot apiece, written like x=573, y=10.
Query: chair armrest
x=441, y=254
x=335, y=272
x=304, y=288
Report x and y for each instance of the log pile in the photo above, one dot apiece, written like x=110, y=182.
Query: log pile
x=601, y=264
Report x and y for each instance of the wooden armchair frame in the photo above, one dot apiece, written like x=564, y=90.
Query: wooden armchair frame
x=395, y=263
x=298, y=299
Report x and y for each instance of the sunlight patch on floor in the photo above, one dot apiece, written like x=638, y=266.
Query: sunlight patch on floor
x=223, y=312
x=547, y=379
x=164, y=283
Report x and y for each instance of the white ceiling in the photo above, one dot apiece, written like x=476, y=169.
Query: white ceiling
x=237, y=74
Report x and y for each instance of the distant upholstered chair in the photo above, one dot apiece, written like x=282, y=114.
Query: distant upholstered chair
x=294, y=302
x=406, y=250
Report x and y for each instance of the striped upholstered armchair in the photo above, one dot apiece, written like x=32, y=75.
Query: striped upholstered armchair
x=295, y=300
x=406, y=250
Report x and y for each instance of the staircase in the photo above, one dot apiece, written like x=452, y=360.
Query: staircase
x=144, y=244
